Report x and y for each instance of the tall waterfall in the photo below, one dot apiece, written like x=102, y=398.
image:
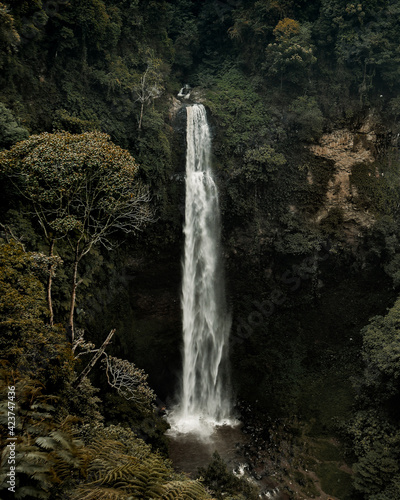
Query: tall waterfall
x=204, y=399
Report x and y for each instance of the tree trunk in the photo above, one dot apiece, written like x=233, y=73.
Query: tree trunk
x=49, y=283
x=141, y=116
x=94, y=360
x=73, y=297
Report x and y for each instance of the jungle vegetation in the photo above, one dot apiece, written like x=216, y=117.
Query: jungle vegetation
x=91, y=169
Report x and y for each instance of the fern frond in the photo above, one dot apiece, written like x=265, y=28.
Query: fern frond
x=30, y=492
x=100, y=493
x=184, y=490
x=34, y=457
x=62, y=439
x=45, y=442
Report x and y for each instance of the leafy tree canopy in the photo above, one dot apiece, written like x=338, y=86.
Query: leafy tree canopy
x=26, y=340
x=10, y=130
x=80, y=187
x=375, y=428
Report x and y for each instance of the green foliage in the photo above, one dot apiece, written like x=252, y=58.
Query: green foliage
x=82, y=402
x=107, y=462
x=377, y=471
x=383, y=246
x=148, y=426
x=375, y=428
x=306, y=118
x=262, y=162
x=222, y=482
x=121, y=466
x=364, y=36
x=83, y=59
x=184, y=30
x=381, y=352
x=297, y=239
x=291, y=56
x=10, y=131
x=252, y=28
x=57, y=170
x=276, y=73
x=98, y=25
x=393, y=269
x=27, y=342
x=376, y=185
x=248, y=128
x=9, y=37
x=46, y=451
x=82, y=188
x=61, y=170
x=334, y=481
x=149, y=85
x=242, y=117
x=64, y=121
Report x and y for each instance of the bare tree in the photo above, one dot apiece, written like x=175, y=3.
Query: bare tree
x=149, y=86
x=128, y=380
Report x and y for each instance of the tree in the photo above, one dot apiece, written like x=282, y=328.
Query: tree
x=291, y=56
x=365, y=36
x=260, y=163
x=9, y=37
x=149, y=86
x=375, y=428
x=129, y=381
x=82, y=188
x=306, y=118
x=10, y=131
x=26, y=341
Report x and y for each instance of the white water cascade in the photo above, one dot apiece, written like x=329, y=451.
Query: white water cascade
x=204, y=397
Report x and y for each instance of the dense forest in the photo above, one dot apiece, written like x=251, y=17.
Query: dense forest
x=303, y=102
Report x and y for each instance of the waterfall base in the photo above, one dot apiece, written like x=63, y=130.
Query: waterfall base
x=191, y=450
x=202, y=428
x=193, y=442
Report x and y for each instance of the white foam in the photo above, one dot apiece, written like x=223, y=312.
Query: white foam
x=199, y=426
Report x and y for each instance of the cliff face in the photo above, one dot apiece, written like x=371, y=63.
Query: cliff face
x=345, y=149
x=269, y=235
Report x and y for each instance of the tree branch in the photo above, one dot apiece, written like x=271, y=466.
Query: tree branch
x=94, y=360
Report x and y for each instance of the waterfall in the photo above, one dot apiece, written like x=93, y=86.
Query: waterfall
x=204, y=395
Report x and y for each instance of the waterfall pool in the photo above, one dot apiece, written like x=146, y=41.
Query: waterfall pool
x=189, y=451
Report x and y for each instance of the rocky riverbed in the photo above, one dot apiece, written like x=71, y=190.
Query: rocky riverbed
x=278, y=456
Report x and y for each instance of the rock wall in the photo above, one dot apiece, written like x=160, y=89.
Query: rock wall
x=347, y=148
